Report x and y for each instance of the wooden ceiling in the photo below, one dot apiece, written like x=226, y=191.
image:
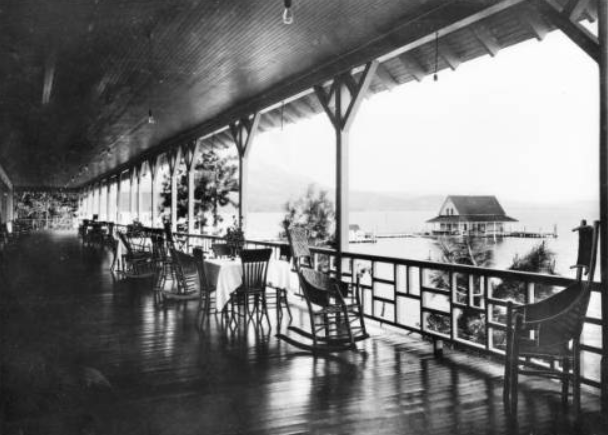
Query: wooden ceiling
x=79, y=77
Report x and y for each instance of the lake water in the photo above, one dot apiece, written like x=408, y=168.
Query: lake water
x=267, y=226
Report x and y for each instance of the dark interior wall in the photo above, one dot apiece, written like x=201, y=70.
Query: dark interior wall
x=6, y=196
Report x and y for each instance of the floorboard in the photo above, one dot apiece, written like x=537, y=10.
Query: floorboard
x=84, y=353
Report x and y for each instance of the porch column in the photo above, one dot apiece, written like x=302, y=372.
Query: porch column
x=243, y=132
x=108, y=200
x=131, y=176
x=153, y=166
x=99, y=190
x=173, y=159
x=83, y=203
x=118, y=182
x=603, y=70
x=347, y=93
x=139, y=169
x=88, y=209
x=189, y=152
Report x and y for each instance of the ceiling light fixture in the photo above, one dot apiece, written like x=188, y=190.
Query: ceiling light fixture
x=151, y=119
x=287, y=12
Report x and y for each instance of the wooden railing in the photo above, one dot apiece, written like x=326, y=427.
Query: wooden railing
x=64, y=223
x=463, y=306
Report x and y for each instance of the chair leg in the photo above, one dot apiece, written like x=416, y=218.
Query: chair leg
x=284, y=297
x=506, y=390
x=508, y=382
x=514, y=389
x=514, y=372
x=265, y=308
x=565, y=381
x=576, y=378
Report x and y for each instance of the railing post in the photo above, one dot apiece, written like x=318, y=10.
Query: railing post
x=603, y=162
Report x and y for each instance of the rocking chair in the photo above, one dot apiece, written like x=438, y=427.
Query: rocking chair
x=188, y=277
x=550, y=330
x=335, y=324
x=136, y=264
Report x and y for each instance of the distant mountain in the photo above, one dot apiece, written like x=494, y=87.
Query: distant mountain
x=270, y=187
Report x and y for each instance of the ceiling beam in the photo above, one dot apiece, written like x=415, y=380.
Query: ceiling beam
x=412, y=66
x=386, y=78
x=447, y=53
x=582, y=37
x=535, y=23
x=575, y=8
x=486, y=39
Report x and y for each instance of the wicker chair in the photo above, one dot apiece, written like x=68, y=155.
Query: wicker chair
x=249, y=300
x=136, y=264
x=163, y=265
x=550, y=330
x=188, y=277
x=298, y=241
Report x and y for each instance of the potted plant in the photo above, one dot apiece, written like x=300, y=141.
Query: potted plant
x=235, y=238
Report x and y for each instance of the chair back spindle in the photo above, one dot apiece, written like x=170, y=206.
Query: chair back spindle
x=298, y=240
x=255, y=269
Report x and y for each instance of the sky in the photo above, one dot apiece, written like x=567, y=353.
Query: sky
x=522, y=125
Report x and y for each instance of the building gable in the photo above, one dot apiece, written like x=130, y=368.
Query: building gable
x=448, y=208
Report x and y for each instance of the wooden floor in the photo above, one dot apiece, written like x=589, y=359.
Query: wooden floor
x=83, y=354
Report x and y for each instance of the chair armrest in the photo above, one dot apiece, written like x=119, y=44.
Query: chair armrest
x=551, y=307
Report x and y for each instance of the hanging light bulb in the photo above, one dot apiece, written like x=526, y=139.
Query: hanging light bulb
x=287, y=13
x=151, y=119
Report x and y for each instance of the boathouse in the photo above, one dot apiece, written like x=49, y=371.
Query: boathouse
x=470, y=215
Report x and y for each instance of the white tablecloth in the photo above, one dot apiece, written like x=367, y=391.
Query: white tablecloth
x=227, y=275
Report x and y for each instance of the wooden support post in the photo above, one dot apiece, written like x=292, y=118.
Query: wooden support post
x=243, y=132
x=99, y=189
x=189, y=153
x=347, y=95
x=603, y=160
x=118, y=182
x=173, y=159
x=132, y=175
x=153, y=166
x=108, y=195
x=138, y=192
